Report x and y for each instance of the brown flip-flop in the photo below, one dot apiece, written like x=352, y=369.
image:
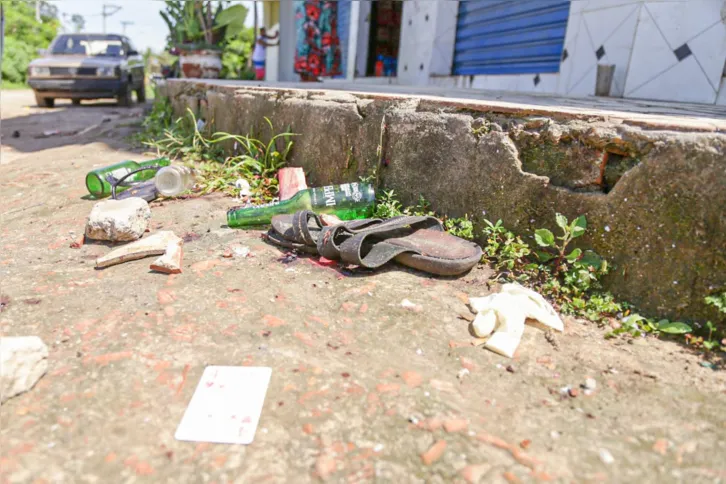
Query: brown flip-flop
x=419, y=242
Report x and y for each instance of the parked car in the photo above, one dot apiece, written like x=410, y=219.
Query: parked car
x=88, y=66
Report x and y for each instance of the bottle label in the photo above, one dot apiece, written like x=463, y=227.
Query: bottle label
x=333, y=196
x=120, y=173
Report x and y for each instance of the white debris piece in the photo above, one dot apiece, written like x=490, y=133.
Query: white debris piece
x=244, y=187
x=501, y=317
x=23, y=360
x=118, y=220
x=606, y=457
x=155, y=244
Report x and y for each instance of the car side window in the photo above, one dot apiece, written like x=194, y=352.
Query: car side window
x=128, y=46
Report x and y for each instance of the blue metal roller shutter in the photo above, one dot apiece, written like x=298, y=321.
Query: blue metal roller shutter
x=343, y=32
x=510, y=36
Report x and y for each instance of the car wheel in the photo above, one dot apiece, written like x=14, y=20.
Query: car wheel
x=141, y=93
x=124, y=98
x=44, y=102
x=76, y=102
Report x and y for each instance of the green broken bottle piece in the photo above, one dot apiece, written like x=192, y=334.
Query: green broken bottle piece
x=99, y=187
x=347, y=202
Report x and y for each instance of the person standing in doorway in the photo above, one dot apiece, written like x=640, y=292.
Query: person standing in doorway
x=260, y=52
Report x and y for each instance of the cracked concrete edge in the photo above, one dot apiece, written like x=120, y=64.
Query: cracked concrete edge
x=659, y=224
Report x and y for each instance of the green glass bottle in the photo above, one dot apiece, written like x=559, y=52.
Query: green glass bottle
x=348, y=201
x=99, y=187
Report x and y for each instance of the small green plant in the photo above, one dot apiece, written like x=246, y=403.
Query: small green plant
x=546, y=239
x=505, y=250
x=460, y=227
x=718, y=301
x=712, y=342
x=387, y=205
x=191, y=142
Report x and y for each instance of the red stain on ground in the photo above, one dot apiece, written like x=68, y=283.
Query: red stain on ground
x=141, y=468
x=518, y=455
x=166, y=296
x=184, y=332
x=305, y=338
x=349, y=307
x=387, y=387
x=204, y=265
x=434, y=453
x=319, y=320
x=108, y=358
x=272, y=321
x=412, y=379
x=185, y=373
x=455, y=425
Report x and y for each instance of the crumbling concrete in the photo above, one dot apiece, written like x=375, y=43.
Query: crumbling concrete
x=653, y=188
x=23, y=360
x=118, y=220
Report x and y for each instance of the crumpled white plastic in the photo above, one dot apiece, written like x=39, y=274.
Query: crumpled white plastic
x=501, y=317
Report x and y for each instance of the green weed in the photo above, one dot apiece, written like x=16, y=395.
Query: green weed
x=388, y=206
x=197, y=144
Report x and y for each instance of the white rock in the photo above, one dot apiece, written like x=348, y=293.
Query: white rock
x=606, y=457
x=590, y=384
x=118, y=220
x=23, y=360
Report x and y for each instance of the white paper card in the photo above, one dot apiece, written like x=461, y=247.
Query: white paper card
x=226, y=405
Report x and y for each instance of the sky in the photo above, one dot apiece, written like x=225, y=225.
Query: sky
x=148, y=28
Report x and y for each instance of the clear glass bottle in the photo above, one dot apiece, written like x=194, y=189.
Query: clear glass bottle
x=173, y=180
x=348, y=201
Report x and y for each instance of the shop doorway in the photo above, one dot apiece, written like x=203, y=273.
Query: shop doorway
x=384, y=38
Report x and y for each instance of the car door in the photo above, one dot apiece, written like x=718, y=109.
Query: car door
x=135, y=63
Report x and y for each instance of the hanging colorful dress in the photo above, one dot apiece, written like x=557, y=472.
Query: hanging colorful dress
x=317, y=49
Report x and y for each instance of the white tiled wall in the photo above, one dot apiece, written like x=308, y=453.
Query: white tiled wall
x=639, y=37
x=664, y=27
x=444, y=37
x=595, y=24
x=428, y=31
x=530, y=83
x=721, y=99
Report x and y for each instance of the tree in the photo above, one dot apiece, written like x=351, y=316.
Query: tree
x=79, y=23
x=24, y=35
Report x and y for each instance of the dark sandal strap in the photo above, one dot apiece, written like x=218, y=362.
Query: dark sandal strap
x=379, y=254
x=332, y=236
x=332, y=242
x=301, y=227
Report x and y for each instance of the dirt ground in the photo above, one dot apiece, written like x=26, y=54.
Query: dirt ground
x=361, y=386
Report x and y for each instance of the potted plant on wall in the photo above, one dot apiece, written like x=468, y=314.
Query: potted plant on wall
x=198, y=30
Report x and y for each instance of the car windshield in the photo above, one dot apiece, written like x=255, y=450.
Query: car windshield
x=90, y=45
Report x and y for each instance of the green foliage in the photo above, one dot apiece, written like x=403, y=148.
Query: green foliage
x=252, y=159
x=200, y=24
x=718, y=301
x=231, y=20
x=714, y=341
x=504, y=250
x=388, y=206
x=236, y=55
x=16, y=59
x=24, y=35
x=460, y=227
